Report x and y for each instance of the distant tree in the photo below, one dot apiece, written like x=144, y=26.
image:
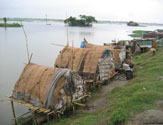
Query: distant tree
x=5, y=20
x=71, y=21
x=83, y=21
x=132, y=23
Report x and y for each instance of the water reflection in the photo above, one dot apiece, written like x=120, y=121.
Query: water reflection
x=86, y=33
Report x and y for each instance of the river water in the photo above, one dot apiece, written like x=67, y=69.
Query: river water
x=13, y=54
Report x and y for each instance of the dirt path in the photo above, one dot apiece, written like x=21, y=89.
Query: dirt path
x=101, y=102
x=113, y=84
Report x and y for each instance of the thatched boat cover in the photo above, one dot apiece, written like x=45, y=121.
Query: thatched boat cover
x=90, y=55
x=115, y=52
x=119, y=55
x=46, y=87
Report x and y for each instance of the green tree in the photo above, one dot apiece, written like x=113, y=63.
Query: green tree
x=71, y=21
x=83, y=21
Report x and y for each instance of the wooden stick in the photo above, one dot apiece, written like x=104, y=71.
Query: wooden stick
x=21, y=115
x=46, y=18
x=57, y=117
x=72, y=57
x=26, y=42
x=67, y=32
x=30, y=58
x=74, y=110
x=50, y=113
x=58, y=44
x=34, y=118
x=79, y=104
x=13, y=111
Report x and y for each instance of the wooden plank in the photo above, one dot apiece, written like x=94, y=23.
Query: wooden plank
x=34, y=108
x=28, y=105
x=60, y=112
x=81, y=98
x=79, y=104
x=42, y=110
x=88, y=81
x=50, y=113
x=46, y=111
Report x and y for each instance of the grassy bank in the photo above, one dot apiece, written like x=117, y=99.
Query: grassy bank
x=137, y=33
x=140, y=94
x=10, y=25
x=32, y=19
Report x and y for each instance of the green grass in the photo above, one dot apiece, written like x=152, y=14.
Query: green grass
x=10, y=25
x=140, y=94
x=137, y=33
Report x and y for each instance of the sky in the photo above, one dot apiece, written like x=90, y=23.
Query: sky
x=149, y=11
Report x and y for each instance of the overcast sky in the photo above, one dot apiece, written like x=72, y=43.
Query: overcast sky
x=115, y=10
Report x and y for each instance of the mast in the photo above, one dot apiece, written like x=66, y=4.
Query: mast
x=46, y=18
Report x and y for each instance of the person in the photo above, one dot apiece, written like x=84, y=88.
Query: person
x=82, y=45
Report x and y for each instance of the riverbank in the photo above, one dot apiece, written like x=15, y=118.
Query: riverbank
x=142, y=24
x=10, y=25
x=140, y=94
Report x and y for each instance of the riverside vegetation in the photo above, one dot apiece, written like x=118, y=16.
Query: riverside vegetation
x=5, y=24
x=137, y=33
x=10, y=25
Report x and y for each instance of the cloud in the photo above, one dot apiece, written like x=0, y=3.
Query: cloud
x=138, y=10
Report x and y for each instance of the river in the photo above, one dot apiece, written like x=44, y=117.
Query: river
x=13, y=56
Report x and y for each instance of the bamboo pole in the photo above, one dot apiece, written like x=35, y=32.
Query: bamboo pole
x=31, y=57
x=67, y=32
x=26, y=44
x=72, y=57
x=13, y=111
x=76, y=103
x=58, y=44
x=57, y=117
x=74, y=110
x=46, y=18
x=22, y=115
x=34, y=118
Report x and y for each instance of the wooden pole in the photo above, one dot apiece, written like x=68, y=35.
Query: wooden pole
x=74, y=110
x=72, y=57
x=26, y=44
x=67, y=32
x=30, y=57
x=13, y=111
x=34, y=118
x=57, y=117
x=58, y=44
x=46, y=18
